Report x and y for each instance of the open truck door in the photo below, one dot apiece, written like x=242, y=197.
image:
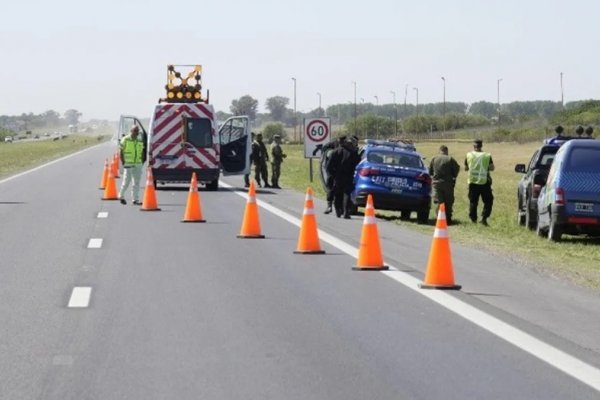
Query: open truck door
x=236, y=146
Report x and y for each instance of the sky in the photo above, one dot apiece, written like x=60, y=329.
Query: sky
x=107, y=58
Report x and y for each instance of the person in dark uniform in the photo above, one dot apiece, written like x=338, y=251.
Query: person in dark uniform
x=247, y=176
x=479, y=164
x=328, y=150
x=260, y=156
x=277, y=156
x=444, y=170
x=341, y=166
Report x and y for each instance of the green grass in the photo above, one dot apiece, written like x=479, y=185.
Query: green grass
x=18, y=156
x=575, y=258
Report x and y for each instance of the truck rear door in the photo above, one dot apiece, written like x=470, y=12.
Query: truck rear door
x=236, y=145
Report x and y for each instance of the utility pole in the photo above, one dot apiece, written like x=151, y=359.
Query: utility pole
x=562, y=93
x=319, y=94
x=417, y=109
x=355, y=113
x=499, y=80
x=444, y=111
x=395, y=114
x=376, y=115
x=295, y=118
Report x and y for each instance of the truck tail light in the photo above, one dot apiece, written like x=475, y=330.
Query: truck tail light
x=536, y=190
x=559, y=196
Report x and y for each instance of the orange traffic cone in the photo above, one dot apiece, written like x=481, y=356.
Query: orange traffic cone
x=369, y=253
x=115, y=166
x=110, y=191
x=149, y=203
x=308, y=241
x=193, y=210
x=439, y=268
x=251, y=222
x=104, y=176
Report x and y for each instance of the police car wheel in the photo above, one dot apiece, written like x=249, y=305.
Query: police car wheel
x=554, y=230
x=530, y=217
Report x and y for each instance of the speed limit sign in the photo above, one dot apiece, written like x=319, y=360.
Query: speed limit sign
x=317, y=133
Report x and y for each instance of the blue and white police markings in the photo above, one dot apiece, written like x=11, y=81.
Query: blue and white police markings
x=316, y=134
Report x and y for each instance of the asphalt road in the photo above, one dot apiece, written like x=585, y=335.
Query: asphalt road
x=188, y=311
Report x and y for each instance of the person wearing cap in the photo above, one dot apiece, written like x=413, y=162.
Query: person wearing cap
x=341, y=166
x=277, y=156
x=247, y=176
x=443, y=170
x=479, y=164
x=133, y=156
x=260, y=156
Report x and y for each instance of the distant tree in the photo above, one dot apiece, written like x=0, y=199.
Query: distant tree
x=72, y=117
x=277, y=106
x=222, y=116
x=484, y=108
x=370, y=126
x=271, y=130
x=245, y=105
x=51, y=118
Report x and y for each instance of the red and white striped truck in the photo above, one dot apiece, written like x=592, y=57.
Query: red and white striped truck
x=183, y=136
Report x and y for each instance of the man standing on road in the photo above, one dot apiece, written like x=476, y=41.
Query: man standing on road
x=341, y=166
x=260, y=156
x=444, y=170
x=247, y=176
x=328, y=150
x=277, y=156
x=133, y=157
x=479, y=164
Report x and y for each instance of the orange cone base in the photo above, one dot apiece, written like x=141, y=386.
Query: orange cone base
x=309, y=251
x=379, y=268
x=439, y=287
x=193, y=220
x=150, y=209
x=250, y=236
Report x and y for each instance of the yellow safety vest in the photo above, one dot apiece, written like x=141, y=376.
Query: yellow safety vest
x=478, y=163
x=132, y=150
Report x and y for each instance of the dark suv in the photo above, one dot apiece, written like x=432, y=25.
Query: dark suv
x=536, y=174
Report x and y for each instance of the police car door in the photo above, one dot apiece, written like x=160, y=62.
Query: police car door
x=236, y=145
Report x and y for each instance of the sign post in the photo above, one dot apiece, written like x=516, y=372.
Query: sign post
x=317, y=133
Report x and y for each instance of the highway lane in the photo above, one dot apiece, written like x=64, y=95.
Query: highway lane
x=211, y=316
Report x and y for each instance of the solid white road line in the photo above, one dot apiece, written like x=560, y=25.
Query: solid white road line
x=80, y=297
x=570, y=365
x=95, y=243
x=103, y=214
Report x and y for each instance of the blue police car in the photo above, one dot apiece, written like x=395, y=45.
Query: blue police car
x=569, y=203
x=395, y=175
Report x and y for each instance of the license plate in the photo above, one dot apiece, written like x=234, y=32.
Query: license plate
x=584, y=207
x=397, y=182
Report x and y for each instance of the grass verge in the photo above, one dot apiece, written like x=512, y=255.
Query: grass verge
x=575, y=258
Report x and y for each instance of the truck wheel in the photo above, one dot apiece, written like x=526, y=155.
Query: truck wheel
x=538, y=229
x=520, y=215
x=404, y=215
x=554, y=230
x=213, y=185
x=530, y=217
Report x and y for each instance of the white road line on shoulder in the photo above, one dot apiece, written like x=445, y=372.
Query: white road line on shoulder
x=570, y=365
x=80, y=297
x=95, y=243
x=10, y=178
x=103, y=214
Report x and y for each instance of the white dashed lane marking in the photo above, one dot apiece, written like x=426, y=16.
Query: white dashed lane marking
x=103, y=214
x=95, y=243
x=80, y=297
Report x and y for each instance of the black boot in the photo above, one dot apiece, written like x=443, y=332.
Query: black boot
x=328, y=210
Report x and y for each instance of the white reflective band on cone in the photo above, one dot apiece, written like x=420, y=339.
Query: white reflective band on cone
x=441, y=215
x=308, y=197
x=440, y=233
x=308, y=211
x=370, y=220
x=252, y=199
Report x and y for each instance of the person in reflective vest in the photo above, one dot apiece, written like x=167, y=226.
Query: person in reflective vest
x=479, y=164
x=133, y=156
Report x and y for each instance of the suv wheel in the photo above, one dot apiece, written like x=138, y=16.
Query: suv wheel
x=530, y=217
x=423, y=216
x=538, y=229
x=520, y=214
x=404, y=215
x=554, y=230
x=213, y=185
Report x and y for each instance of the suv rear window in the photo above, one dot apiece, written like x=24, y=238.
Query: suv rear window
x=198, y=132
x=584, y=159
x=399, y=159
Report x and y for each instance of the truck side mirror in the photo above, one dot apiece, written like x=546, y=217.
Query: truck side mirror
x=520, y=168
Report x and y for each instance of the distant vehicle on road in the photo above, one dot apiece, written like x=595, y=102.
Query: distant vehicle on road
x=569, y=203
x=8, y=139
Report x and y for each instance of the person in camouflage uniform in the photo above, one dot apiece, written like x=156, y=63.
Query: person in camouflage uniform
x=444, y=170
x=277, y=156
x=260, y=157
